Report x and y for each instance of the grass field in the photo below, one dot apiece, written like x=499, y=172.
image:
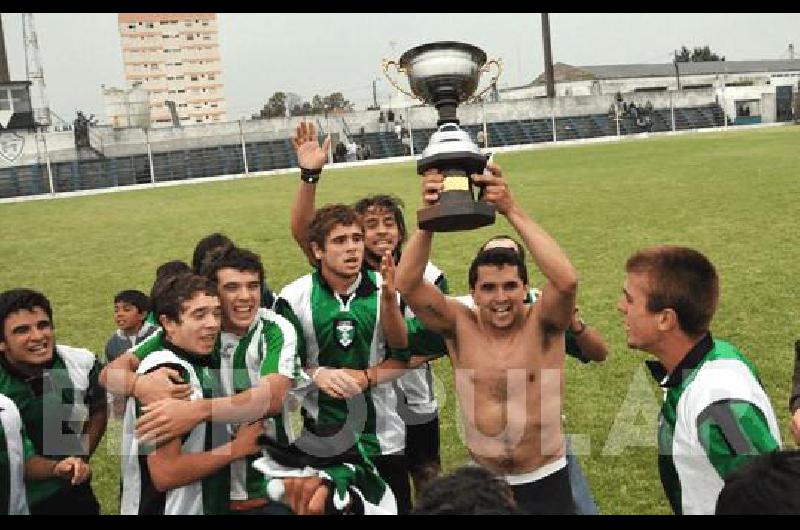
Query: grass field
x=732, y=195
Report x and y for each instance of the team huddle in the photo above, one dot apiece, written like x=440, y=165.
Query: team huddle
x=319, y=399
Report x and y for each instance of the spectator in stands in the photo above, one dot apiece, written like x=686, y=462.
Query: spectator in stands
x=390, y=115
x=130, y=311
x=366, y=151
x=481, y=139
x=624, y=109
x=352, y=150
x=470, y=490
x=340, y=153
x=398, y=129
x=769, y=484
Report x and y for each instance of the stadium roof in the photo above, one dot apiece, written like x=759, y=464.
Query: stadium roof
x=565, y=72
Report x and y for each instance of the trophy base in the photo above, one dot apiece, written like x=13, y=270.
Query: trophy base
x=456, y=211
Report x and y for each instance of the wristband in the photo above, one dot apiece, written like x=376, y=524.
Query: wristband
x=310, y=175
x=366, y=374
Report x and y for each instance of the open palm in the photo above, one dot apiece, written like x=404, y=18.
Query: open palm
x=310, y=155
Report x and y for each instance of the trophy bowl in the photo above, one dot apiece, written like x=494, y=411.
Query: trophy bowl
x=442, y=69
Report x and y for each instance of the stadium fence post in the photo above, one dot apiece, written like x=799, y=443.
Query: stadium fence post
x=150, y=157
x=244, y=149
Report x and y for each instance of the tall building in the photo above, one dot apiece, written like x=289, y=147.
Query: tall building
x=175, y=57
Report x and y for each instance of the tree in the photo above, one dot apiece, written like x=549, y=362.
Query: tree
x=697, y=54
x=275, y=107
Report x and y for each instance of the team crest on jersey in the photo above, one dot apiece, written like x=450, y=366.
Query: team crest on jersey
x=344, y=331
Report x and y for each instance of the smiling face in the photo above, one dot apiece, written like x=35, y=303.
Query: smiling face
x=381, y=232
x=343, y=252
x=29, y=337
x=641, y=325
x=499, y=295
x=240, y=297
x=200, y=320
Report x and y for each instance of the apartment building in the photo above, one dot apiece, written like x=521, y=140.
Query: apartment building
x=175, y=57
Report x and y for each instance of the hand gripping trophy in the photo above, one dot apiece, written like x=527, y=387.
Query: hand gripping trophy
x=446, y=74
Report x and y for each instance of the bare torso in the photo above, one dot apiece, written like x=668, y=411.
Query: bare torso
x=510, y=391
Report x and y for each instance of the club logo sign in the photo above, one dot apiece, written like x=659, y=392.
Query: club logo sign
x=11, y=145
x=344, y=331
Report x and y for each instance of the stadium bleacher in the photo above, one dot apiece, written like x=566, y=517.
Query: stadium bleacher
x=184, y=164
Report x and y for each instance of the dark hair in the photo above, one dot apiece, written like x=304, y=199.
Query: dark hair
x=208, y=243
x=135, y=298
x=165, y=271
x=682, y=279
x=171, y=268
x=173, y=291
x=329, y=216
x=498, y=257
x=387, y=202
x=470, y=490
x=234, y=257
x=766, y=484
x=15, y=300
x=520, y=247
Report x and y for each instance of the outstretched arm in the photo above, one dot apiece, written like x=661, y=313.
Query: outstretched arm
x=310, y=156
x=585, y=341
x=557, y=303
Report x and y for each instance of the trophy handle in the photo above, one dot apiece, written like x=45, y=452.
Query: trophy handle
x=386, y=64
x=498, y=63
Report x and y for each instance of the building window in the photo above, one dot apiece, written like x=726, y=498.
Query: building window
x=132, y=26
x=189, y=37
x=181, y=91
x=150, y=25
x=193, y=78
x=211, y=77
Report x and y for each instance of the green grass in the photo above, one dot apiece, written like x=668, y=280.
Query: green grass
x=731, y=195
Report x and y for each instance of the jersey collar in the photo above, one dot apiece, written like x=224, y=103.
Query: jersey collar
x=689, y=362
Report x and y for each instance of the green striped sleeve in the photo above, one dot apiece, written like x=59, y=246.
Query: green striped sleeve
x=281, y=355
x=283, y=308
x=149, y=345
x=731, y=432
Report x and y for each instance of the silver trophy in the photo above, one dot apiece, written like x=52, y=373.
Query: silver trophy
x=447, y=74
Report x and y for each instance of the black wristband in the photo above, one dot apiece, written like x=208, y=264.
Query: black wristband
x=310, y=175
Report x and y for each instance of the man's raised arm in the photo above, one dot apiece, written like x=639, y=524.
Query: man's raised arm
x=311, y=158
x=557, y=303
x=433, y=308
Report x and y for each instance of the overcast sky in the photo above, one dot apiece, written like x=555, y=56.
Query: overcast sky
x=323, y=53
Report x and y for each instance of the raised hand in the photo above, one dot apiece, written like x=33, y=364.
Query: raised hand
x=310, y=155
x=388, y=289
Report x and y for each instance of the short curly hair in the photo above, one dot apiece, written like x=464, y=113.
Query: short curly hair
x=328, y=217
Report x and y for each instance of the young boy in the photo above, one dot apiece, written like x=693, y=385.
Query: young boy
x=130, y=311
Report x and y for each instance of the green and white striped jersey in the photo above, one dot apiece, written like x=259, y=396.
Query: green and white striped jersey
x=715, y=417
x=270, y=345
x=15, y=450
x=209, y=496
x=54, y=407
x=417, y=383
x=344, y=331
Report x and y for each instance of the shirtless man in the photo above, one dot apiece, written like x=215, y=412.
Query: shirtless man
x=508, y=356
